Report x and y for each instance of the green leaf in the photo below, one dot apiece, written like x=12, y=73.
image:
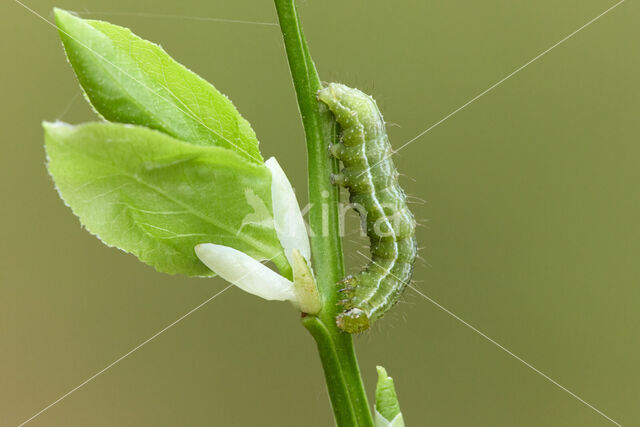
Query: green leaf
x=156, y=197
x=387, y=407
x=130, y=80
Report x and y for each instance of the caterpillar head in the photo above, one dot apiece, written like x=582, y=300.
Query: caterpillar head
x=353, y=321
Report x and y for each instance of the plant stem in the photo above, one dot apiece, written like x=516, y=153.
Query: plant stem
x=335, y=347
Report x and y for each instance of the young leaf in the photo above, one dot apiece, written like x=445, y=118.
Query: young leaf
x=156, y=197
x=387, y=407
x=130, y=80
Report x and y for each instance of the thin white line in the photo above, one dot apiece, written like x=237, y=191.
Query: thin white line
x=501, y=81
x=501, y=347
x=94, y=376
x=512, y=74
x=69, y=105
x=185, y=17
x=510, y=353
x=193, y=116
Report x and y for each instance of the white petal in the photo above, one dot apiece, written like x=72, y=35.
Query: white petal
x=245, y=272
x=289, y=223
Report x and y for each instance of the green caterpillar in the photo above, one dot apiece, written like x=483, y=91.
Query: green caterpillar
x=372, y=180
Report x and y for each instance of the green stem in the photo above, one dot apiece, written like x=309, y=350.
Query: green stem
x=346, y=389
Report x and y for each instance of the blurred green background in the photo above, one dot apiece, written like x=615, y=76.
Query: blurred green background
x=531, y=214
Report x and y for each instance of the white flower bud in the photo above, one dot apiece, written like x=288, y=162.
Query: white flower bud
x=254, y=277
